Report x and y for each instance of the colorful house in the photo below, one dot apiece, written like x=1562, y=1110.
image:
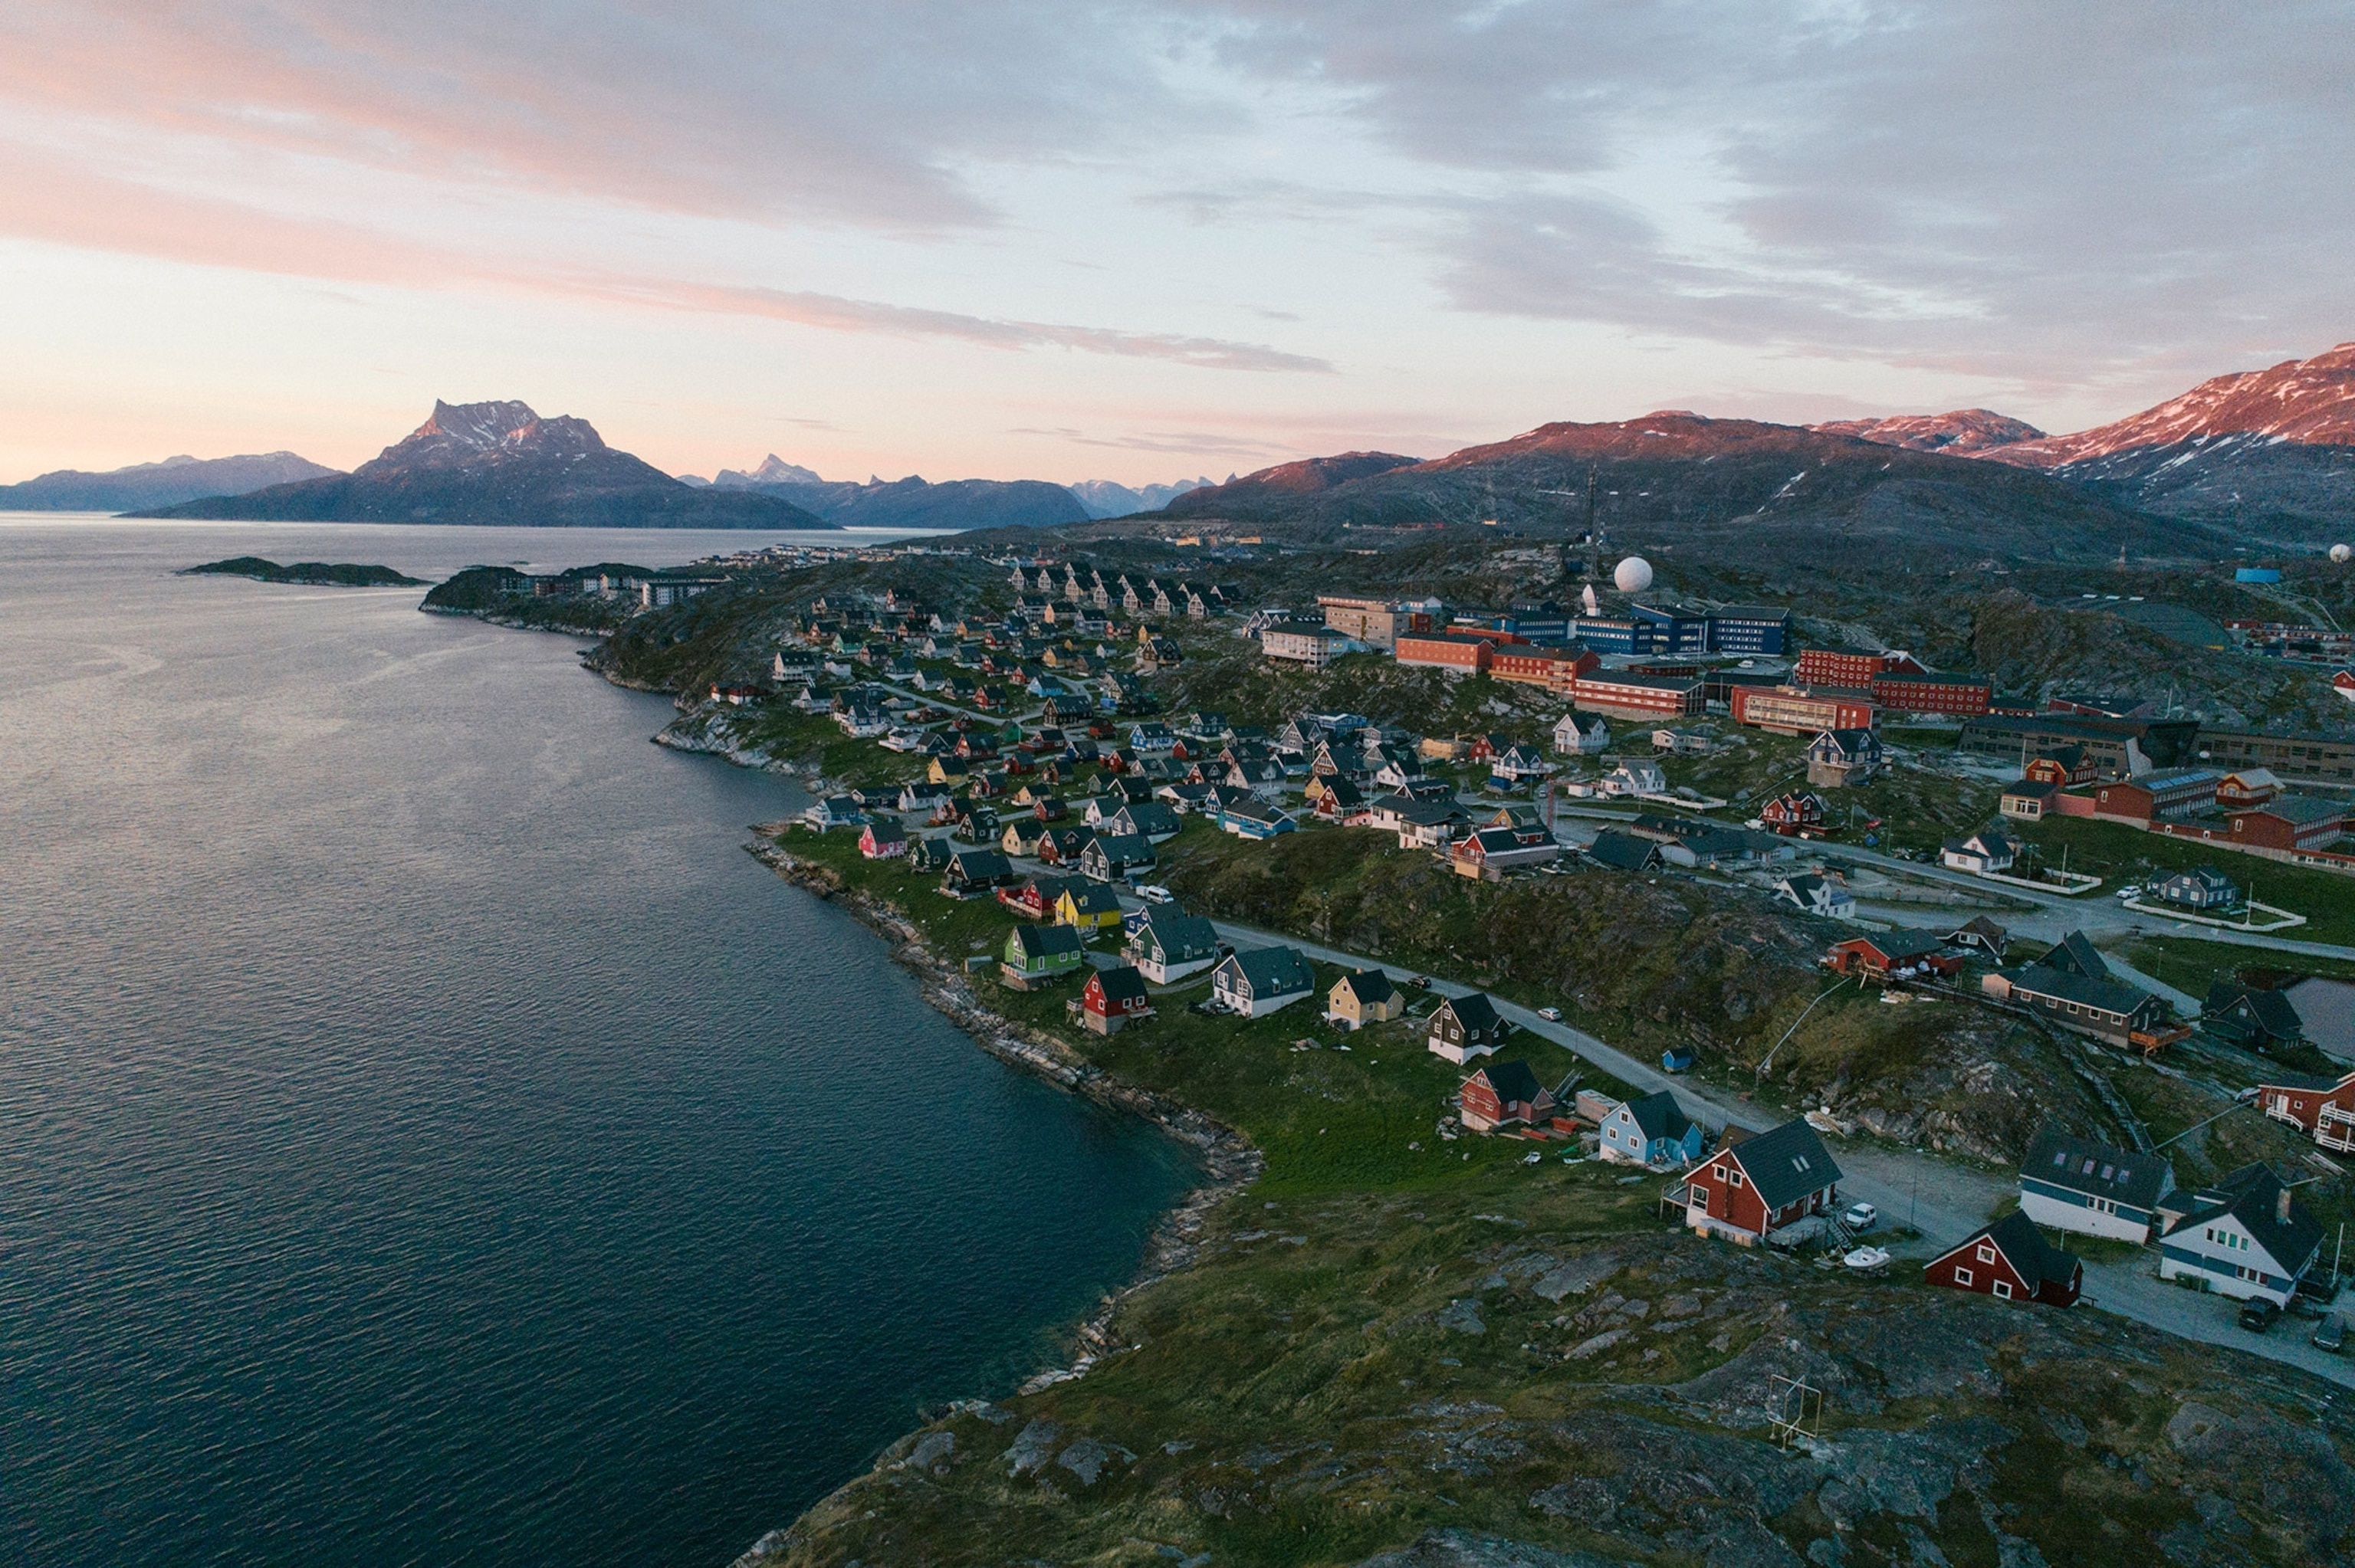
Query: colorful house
x=2245, y=1237
x=1751, y=1189
x=1040, y=955
x=1363, y=997
x=1653, y=1131
x=1504, y=1094
x=2011, y=1261
x=1088, y=906
x=1167, y=947
x=2073, y=1184
x=1465, y=1027
x=1257, y=982
x=882, y=841
x=1113, y=998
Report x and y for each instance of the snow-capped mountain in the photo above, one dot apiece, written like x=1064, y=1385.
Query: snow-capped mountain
x=1965, y=432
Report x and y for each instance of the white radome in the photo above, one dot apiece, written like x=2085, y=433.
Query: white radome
x=2342, y=554
x=1634, y=575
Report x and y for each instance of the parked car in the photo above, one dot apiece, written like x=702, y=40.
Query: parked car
x=2331, y=1333
x=1153, y=893
x=2131, y=890
x=1551, y=1015
x=1860, y=1217
x=1422, y=980
x=2257, y=1314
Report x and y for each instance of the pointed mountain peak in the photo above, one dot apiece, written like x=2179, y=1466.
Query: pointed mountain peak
x=464, y=432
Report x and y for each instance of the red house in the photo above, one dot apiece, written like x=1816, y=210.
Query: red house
x=1534, y=666
x=2323, y=1110
x=1762, y=1184
x=877, y=841
x=2291, y=822
x=1799, y=811
x=1900, y=953
x=1114, y=997
x=1036, y=897
x=2011, y=1261
x=1504, y=1094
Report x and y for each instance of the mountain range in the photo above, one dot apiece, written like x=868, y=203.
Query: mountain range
x=165, y=484
x=955, y=504
x=499, y=462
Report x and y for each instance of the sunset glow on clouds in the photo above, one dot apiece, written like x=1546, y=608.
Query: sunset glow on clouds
x=1146, y=241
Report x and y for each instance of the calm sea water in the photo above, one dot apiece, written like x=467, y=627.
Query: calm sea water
x=425, y=1137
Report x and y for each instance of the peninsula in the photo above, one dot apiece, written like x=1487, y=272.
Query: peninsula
x=1626, y=1003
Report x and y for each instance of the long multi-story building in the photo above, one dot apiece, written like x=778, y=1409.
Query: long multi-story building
x=1921, y=691
x=1849, y=668
x=2117, y=748
x=1308, y=642
x=1624, y=696
x=1646, y=630
x=2314, y=757
x=1377, y=623
x=1794, y=710
x=1535, y=665
x=1455, y=650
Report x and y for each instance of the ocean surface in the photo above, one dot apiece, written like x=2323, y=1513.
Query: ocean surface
x=425, y=1136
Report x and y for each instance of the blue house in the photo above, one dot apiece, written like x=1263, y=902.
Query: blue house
x=1679, y=1059
x=1253, y=819
x=1653, y=1131
x=2245, y=1236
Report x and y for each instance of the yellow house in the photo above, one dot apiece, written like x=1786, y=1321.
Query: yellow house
x=1363, y=997
x=1091, y=906
x=947, y=770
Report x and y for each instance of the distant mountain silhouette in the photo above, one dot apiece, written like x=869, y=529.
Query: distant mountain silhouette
x=1103, y=498
x=1965, y=432
x=911, y=502
x=499, y=462
x=1272, y=491
x=165, y=484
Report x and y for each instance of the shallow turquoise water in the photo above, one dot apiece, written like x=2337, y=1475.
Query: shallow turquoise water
x=425, y=1137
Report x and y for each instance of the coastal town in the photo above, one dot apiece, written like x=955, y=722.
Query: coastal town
x=1106, y=799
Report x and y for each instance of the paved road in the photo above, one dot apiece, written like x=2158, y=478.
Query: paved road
x=1942, y=1199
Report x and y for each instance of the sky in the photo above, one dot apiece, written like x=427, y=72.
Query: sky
x=1142, y=241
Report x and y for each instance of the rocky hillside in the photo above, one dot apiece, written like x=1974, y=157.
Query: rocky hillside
x=501, y=463
x=1771, y=493
x=1965, y=432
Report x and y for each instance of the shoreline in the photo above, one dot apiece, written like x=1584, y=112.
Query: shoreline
x=1231, y=1162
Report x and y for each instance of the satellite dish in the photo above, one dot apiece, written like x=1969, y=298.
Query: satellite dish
x=2342, y=554
x=1634, y=575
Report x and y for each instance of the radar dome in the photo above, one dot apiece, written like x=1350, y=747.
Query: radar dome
x=1634, y=575
x=2342, y=554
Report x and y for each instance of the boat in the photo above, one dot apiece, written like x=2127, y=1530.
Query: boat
x=1866, y=1259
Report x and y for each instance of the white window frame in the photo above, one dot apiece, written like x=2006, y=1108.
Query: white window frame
x=2001, y=1289
x=1962, y=1275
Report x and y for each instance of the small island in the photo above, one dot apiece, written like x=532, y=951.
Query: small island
x=313, y=574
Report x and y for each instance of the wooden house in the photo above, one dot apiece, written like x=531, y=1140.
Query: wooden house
x=1038, y=955
x=2010, y=1260
x=1110, y=857
x=1036, y=897
x=1465, y=1027
x=1088, y=905
x=1169, y=946
x=1361, y=997
x=1653, y=1131
x=882, y=841
x=1113, y=999
x=1748, y=1190
x=2071, y=1183
x=1505, y=1094
x=1257, y=982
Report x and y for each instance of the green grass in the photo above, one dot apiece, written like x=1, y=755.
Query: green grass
x=2118, y=853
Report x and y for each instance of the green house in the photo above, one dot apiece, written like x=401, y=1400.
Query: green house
x=1040, y=955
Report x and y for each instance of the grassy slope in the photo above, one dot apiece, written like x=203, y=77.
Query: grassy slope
x=1315, y=1389
x=2119, y=853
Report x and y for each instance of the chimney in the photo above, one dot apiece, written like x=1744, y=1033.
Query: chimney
x=2281, y=1205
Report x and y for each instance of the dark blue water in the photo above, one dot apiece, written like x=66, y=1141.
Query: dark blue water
x=425, y=1137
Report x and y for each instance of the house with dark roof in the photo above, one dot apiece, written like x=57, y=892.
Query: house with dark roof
x=930, y=854
x=1251, y=818
x=2071, y=1183
x=1653, y=1131
x=1255, y=983
x=1838, y=758
x=1982, y=936
x=2247, y=1237
x=1623, y=851
x=1465, y=1027
x=1109, y=857
x=2251, y=1017
x=882, y=841
x=1168, y=945
x=1990, y=850
x=974, y=873
x=1818, y=893
x=1753, y=1188
x=1893, y=954
x=2201, y=887
x=2107, y=1010
x=2010, y=1260
x=1037, y=955
x=1487, y=853
x=1363, y=997
x=2076, y=953
x=1035, y=898
x=1088, y=906
x=1503, y=1094
x=1113, y=998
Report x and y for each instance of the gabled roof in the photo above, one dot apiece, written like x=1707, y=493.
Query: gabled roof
x=1658, y=1116
x=1512, y=1081
x=2270, y=1009
x=1127, y=848
x=1785, y=1164
x=980, y=865
x=2075, y=953
x=2086, y=1165
x=1046, y=941
x=1122, y=982
x=2067, y=985
x=2037, y=1261
x=1090, y=898
x=1178, y=936
x=1273, y=971
x=1370, y=987
x=1475, y=1012
x=1979, y=925
x=2251, y=1196
x=1896, y=946
x=1618, y=848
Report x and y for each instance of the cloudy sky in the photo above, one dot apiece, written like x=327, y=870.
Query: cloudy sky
x=1147, y=241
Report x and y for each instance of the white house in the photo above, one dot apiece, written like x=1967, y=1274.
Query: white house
x=2073, y=1184
x=1818, y=895
x=2246, y=1236
x=1990, y=849
x=1635, y=778
x=1573, y=740
x=1517, y=764
x=1257, y=982
x=1166, y=946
